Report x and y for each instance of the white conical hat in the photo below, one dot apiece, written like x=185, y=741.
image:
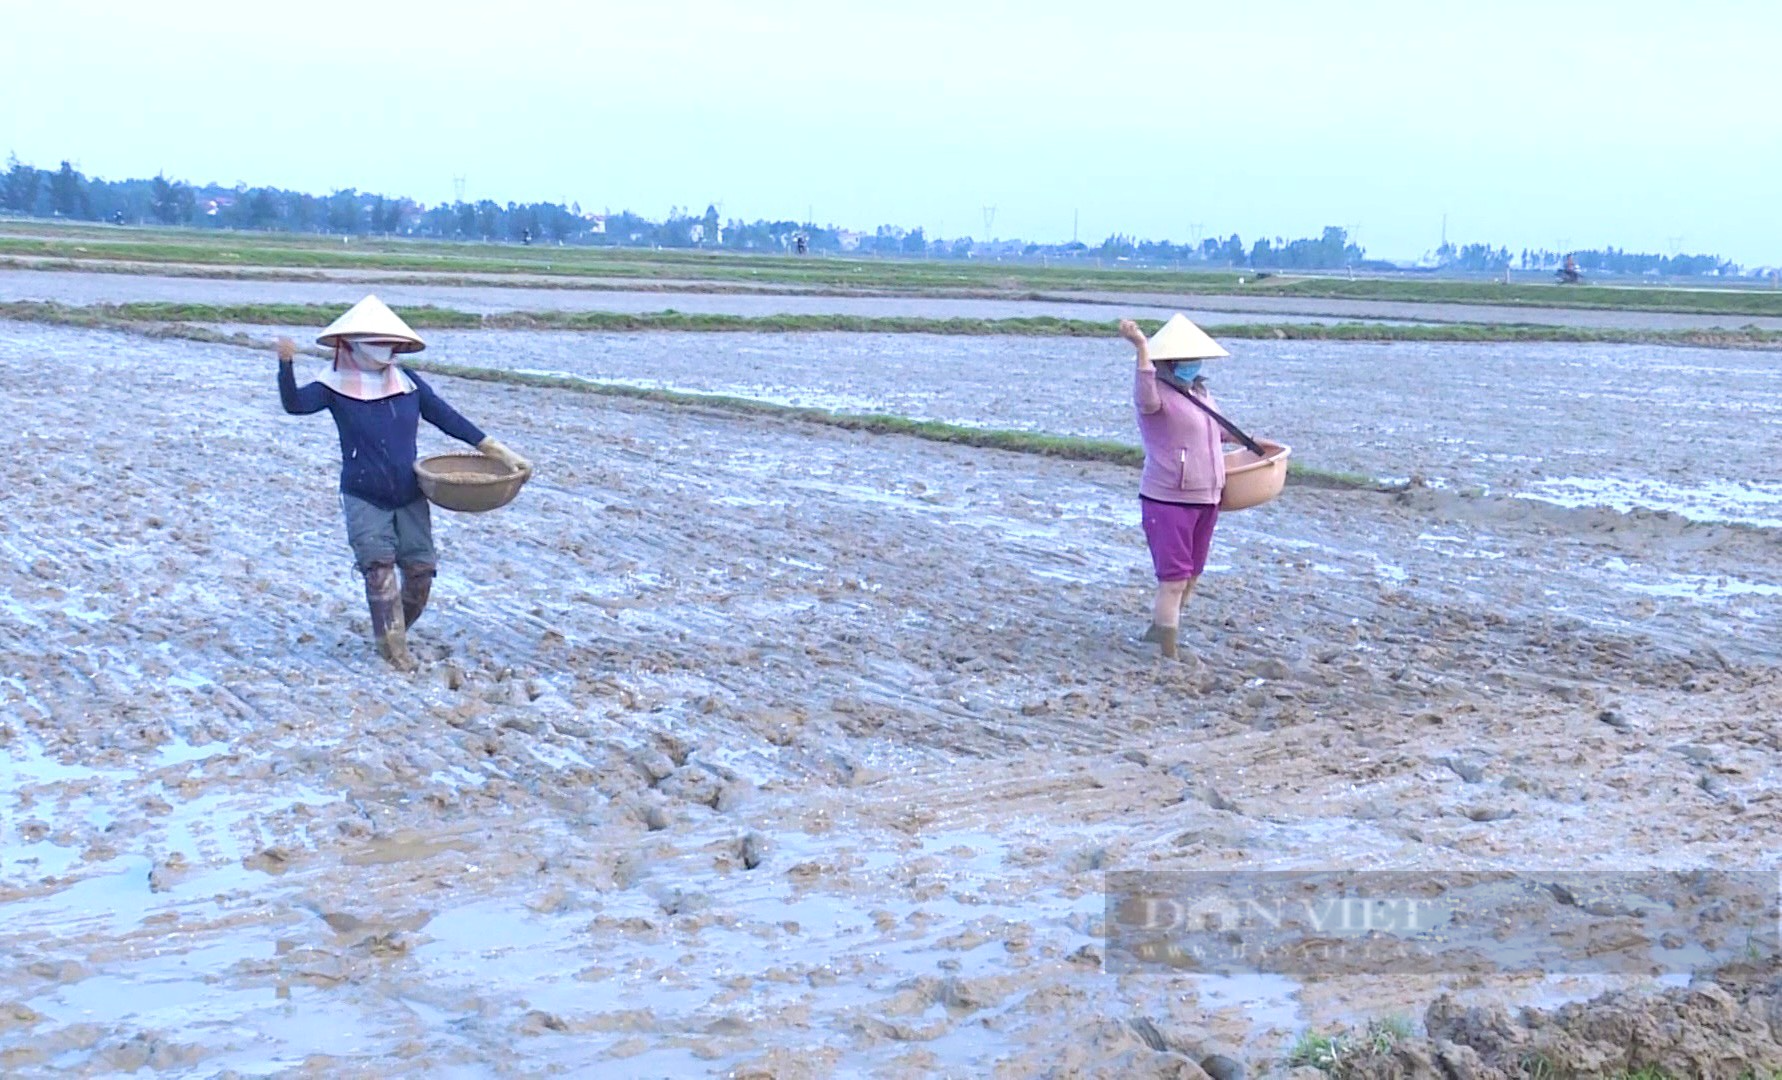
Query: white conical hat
x=370, y=318
x=1180, y=339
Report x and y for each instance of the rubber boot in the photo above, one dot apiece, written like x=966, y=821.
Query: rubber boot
x=388, y=629
x=417, y=586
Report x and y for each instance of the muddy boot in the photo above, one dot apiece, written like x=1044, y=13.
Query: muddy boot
x=1166, y=641
x=417, y=585
x=388, y=629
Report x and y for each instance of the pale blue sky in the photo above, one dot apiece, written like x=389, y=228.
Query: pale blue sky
x=1530, y=123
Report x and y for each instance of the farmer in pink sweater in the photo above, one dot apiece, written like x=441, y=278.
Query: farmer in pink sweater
x=1184, y=464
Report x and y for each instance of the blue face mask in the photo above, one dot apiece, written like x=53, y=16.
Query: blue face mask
x=1185, y=370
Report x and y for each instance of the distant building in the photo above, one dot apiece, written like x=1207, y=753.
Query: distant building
x=596, y=223
x=850, y=241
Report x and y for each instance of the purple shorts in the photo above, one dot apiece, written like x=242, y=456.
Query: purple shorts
x=1180, y=534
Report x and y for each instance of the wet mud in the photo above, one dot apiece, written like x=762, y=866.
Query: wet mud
x=1258, y=303
x=754, y=748
x=1621, y=426
x=77, y=287
x=37, y=279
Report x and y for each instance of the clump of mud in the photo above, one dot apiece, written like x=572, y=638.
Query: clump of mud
x=1707, y=1030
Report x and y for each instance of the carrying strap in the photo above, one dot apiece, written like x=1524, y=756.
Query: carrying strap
x=1180, y=387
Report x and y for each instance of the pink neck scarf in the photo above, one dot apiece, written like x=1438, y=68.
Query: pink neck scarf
x=348, y=377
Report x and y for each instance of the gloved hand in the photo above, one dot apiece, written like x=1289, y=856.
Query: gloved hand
x=491, y=448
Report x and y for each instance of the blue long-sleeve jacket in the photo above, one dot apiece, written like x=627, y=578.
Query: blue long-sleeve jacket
x=377, y=438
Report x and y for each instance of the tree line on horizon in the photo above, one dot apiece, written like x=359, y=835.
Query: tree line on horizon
x=67, y=193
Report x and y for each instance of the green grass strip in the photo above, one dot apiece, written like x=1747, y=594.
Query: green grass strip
x=1708, y=300
x=1071, y=447
x=317, y=315
x=1749, y=337
x=428, y=317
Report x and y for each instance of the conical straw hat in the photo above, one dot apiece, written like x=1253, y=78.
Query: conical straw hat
x=1180, y=339
x=370, y=318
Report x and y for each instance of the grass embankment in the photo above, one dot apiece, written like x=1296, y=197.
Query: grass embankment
x=1368, y=1051
x=1485, y=333
x=600, y=321
x=197, y=247
x=1652, y=298
x=470, y=279
x=1025, y=442
x=1034, y=326
x=239, y=250
x=1075, y=448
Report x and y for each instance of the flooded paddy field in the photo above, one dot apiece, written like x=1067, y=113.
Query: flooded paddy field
x=1260, y=307
x=1621, y=426
x=72, y=287
x=111, y=282
x=750, y=747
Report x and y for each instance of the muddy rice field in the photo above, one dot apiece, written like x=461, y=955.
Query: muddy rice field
x=488, y=294
x=77, y=287
x=751, y=747
x=1524, y=420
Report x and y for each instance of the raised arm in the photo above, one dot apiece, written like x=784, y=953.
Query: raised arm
x=1144, y=379
x=297, y=400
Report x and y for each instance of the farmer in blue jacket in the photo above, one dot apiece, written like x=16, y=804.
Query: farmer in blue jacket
x=378, y=407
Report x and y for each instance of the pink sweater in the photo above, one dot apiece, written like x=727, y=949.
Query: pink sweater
x=1184, y=451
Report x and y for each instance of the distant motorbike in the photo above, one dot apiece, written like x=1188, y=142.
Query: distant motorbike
x=1566, y=275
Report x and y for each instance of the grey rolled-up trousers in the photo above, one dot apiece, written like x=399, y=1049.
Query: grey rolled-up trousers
x=403, y=536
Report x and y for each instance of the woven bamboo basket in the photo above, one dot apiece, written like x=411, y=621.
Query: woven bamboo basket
x=469, y=483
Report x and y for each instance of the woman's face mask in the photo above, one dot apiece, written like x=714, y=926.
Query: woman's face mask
x=1186, y=370
x=372, y=354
